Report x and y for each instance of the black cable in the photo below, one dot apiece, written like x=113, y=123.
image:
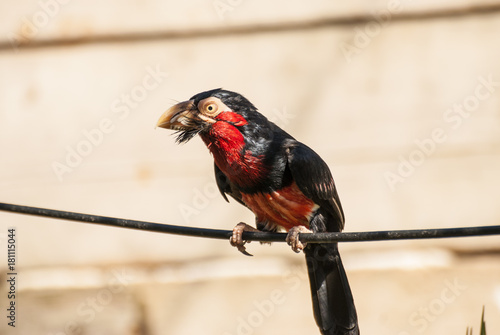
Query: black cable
x=254, y=236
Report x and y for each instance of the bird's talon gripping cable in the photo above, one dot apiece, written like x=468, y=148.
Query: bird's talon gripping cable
x=236, y=239
x=243, y=250
x=292, y=239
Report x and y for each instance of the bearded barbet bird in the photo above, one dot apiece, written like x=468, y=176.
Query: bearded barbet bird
x=282, y=181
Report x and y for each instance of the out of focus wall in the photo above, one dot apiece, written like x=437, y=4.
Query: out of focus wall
x=401, y=98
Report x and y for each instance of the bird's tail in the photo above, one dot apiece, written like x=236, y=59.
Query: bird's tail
x=332, y=300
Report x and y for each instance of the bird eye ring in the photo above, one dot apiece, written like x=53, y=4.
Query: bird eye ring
x=211, y=108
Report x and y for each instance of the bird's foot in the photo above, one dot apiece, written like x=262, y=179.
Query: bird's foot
x=236, y=239
x=292, y=239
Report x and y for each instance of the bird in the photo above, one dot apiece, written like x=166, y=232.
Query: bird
x=286, y=184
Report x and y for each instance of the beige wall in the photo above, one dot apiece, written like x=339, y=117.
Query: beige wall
x=376, y=88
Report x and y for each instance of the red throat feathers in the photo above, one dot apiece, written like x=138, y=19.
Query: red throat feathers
x=286, y=208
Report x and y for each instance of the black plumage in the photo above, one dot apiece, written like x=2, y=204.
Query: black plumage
x=271, y=162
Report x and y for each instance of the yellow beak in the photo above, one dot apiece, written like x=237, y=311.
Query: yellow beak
x=177, y=117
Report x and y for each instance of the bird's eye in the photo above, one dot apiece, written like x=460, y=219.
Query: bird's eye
x=211, y=108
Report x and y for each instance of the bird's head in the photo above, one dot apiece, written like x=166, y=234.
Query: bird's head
x=200, y=113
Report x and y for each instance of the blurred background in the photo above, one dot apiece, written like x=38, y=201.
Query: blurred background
x=401, y=99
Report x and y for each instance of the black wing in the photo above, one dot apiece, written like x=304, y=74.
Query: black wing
x=314, y=179
x=226, y=187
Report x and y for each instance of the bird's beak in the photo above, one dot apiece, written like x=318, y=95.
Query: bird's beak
x=179, y=116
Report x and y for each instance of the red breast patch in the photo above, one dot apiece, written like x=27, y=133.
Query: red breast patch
x=288, y=207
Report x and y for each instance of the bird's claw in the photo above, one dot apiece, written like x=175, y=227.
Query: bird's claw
x=236, y=239
x=292, y=239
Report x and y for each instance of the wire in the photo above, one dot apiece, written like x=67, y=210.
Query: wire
x=254, y=236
